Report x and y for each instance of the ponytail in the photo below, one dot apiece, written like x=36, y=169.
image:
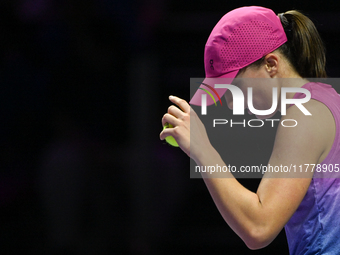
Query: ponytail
x=304, y=49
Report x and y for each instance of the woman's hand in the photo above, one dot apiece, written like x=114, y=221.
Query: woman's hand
x=188, y=130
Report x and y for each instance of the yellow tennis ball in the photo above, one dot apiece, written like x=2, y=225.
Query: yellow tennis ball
x=169, y=139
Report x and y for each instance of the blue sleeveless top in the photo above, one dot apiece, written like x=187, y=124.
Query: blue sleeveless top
x=315, y=226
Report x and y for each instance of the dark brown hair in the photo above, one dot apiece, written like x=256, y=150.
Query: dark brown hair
x=304, y=49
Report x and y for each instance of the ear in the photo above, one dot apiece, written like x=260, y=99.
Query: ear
x=271, y=61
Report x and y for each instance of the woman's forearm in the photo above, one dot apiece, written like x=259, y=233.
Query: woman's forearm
x=240, y=208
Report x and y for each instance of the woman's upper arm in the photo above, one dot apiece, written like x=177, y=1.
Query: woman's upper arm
x=305, y=143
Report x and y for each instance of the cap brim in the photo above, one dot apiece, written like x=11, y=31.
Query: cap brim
x=209, y=84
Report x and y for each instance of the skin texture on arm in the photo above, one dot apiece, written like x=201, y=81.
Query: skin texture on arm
x=258, y=217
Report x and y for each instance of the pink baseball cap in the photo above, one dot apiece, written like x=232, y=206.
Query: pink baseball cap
x=241, y=37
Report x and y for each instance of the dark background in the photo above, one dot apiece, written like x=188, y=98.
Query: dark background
x=84, y=85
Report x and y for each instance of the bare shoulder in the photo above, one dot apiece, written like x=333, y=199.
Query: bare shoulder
x=309, y=141
x=313, y=133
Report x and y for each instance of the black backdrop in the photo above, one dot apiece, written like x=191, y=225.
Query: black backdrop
x=84, y=85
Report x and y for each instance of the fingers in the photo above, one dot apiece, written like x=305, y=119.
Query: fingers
x=178, y=116
x=185, y=107
x=174, y=115
x=166, y=132
x=175, y=111
x=172, y=130
x=168, y=118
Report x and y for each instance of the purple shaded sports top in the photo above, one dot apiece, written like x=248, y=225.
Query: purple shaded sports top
x=315, y=226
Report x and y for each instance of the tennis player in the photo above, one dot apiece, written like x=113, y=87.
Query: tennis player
x=254, y=42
